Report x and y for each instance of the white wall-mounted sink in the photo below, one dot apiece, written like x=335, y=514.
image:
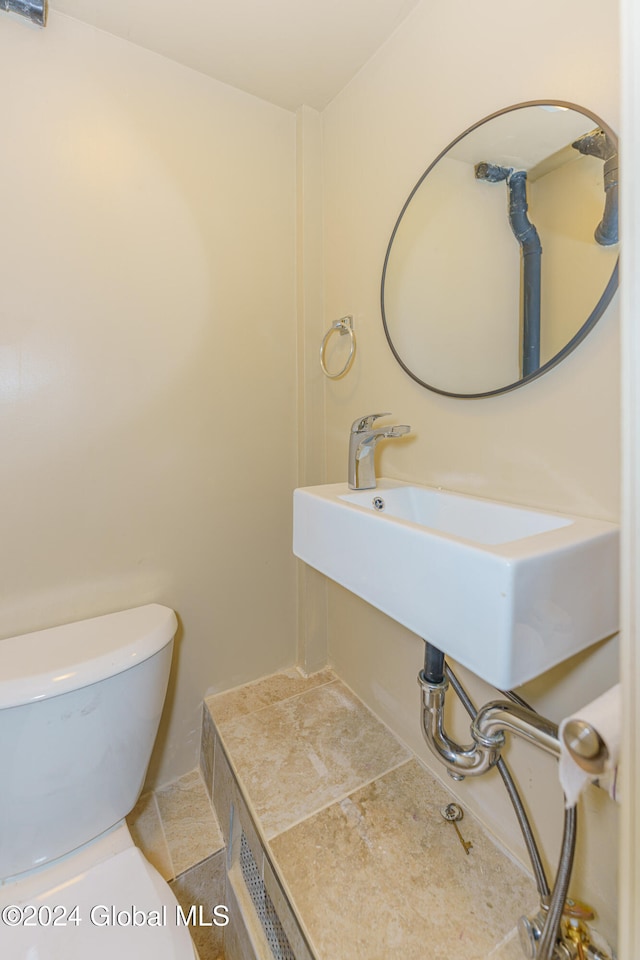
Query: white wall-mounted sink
x=506, y=591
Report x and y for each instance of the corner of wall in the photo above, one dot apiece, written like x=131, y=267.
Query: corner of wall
x=312, y=589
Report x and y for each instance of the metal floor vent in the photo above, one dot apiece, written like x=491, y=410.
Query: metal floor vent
x=276, y=937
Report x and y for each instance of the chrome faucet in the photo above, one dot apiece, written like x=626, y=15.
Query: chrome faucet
x=362, y=444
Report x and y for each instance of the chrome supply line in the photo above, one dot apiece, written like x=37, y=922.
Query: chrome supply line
x=540, y=876
x=542, y=937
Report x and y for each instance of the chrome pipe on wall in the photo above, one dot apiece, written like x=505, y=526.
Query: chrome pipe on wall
x=34, y=10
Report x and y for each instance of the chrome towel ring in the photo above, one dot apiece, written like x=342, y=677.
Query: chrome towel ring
x=344, y=325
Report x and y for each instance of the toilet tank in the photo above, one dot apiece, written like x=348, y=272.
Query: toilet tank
x=80, y=706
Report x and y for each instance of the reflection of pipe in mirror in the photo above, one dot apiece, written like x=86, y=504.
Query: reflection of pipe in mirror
x=34, y=10
x=599, y=144
x=531, y=250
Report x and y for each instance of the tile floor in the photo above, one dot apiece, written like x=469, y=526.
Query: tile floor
x=351, y=829
x=176, y=826
x=178, y=831
x=351, y=824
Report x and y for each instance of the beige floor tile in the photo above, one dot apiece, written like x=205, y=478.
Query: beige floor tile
x=146, y=829
x=509, y=949
x=188, y=820
x=381, y=874
x=204, y=886
x=262, y=693
x=299, y=755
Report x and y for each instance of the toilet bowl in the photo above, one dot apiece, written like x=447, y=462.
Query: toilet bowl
x=79, y=711
x=103, y=902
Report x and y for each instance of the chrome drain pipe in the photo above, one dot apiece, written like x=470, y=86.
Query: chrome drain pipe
x=488, y=730
x=461, y=761
x=498, y=717
x=541, y=937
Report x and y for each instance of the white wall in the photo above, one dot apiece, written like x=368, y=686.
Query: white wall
x=553, y=444
x=147, y=356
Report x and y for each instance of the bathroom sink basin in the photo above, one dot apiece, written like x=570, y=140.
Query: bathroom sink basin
x=507, y=591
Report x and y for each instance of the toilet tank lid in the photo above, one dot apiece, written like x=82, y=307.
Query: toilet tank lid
x=47, y=663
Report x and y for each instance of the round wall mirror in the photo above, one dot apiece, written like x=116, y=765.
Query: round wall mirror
x=505, y=253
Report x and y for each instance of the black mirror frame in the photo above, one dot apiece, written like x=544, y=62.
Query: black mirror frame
x=586, y=327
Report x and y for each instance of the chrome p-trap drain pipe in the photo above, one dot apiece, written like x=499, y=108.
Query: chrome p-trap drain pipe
x=488, y=730
x=541, y=936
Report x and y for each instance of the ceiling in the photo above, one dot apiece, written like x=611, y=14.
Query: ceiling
x=289, y=52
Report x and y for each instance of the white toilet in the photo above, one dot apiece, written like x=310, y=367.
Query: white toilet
x=79, y=711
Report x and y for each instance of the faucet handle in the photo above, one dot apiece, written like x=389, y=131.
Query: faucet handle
x=365, y=423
